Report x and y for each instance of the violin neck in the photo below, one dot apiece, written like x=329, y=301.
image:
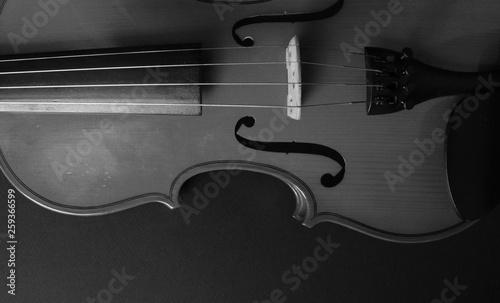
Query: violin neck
x=127, y=80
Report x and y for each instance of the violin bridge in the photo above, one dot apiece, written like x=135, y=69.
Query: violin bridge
x=294, y=97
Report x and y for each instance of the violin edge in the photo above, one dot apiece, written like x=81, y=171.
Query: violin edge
x=305, y=210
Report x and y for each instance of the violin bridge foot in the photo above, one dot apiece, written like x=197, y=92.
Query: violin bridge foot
x=294, y=97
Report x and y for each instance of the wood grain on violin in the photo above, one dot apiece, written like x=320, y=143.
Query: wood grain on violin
x=122, y=145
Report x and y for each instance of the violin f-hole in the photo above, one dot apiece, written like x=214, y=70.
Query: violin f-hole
x=327, y=180
x=292, y=18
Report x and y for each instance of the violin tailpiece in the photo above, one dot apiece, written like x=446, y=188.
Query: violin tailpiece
x=396, y=81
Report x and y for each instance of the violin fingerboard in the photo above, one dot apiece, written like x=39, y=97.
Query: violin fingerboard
x=141, y=80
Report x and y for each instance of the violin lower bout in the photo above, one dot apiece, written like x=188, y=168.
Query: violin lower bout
x=100, y=164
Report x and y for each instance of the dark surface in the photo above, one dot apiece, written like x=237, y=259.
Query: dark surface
x=236, y=250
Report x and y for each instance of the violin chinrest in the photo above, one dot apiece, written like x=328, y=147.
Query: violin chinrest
x=472, y=151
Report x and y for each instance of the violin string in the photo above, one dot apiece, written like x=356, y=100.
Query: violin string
x=164, y=51
x=179, y=84
x=340, y=66
x=56, y=103
x=338, y=51
x=84, y=69
x=183, y=84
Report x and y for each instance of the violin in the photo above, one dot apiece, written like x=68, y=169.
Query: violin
x=366, y=135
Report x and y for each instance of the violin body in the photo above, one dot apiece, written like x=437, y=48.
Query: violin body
x=94, y=164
